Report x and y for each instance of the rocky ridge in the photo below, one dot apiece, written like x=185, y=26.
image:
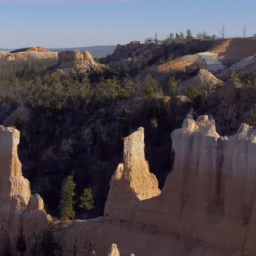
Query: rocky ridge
x=28, y=54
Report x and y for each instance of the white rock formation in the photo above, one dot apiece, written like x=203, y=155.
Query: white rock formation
x=212, y=61
x=210, y=193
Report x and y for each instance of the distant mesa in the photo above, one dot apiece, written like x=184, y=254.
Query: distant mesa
x=24, y=54
x=31, y=49
x=70, y=55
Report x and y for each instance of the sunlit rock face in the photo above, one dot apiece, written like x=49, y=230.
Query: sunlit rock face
x=71, y=55
x=209, y=194
x=22, y=216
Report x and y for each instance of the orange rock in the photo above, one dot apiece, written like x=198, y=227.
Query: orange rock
x=20, y=214
x=114, y=251
x=209, y=195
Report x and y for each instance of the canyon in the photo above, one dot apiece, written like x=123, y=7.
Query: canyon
x=191, y=194
x=206, y=207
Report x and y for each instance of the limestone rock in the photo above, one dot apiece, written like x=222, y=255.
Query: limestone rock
x=36, y=203
x=114, y=251
x=27, y=54
x=87, y=56
x=20, y=214
x=209, y=195
x=203, y=78
x=132, y=180
x=212, y=61
x=71, y=55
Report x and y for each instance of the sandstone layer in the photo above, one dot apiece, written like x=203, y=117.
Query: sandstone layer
x=206, y=208
x=22, y=216
x=209, y=194
x=71, y=55
x=28, y=54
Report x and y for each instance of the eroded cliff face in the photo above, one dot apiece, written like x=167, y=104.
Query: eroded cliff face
x=209, y=194
x=71, y=55
x=22, y=216
x=206, y=208
x=132, y=181
x=29, y=54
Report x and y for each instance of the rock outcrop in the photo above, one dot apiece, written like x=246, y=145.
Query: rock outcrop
x=114, y=250
x=22, y=216
x=203, y=79
x=71, y=55
x=28, y=54
x=133, y=175
x=209, y=194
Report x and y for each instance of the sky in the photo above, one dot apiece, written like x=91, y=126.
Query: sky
x=78, y=23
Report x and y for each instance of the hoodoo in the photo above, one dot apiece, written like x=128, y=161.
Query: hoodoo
x=22, y=216
x=209, y=194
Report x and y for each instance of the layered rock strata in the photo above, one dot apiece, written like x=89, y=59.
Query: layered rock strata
x=28, y=54
x=71, y=55
x=209, y=194
x=206, y=208
x=22, y=216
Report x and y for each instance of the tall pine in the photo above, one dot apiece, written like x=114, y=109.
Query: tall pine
x=67, y=198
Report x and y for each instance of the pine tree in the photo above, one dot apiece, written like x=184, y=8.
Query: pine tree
x=189, y=36
x=67, y=199
x=87, y=201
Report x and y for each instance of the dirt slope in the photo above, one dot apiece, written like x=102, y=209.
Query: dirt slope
x=237, y=49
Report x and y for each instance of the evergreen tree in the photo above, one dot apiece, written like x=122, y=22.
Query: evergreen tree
x=171, y=36
x=177, y=37
x=189, y=36
x=87, y=201
x=182, y=36
x=67, y=199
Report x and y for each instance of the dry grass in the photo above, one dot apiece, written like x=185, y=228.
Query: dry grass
x=177, y=65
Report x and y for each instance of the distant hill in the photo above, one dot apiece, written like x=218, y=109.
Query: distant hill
x=20, y=50
x=96, y=51
x=5, y=50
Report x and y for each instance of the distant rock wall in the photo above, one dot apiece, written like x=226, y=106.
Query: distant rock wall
x=74, y=56
x=22, y=216
x=31, y=53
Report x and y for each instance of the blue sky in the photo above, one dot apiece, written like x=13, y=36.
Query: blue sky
x=74, y=23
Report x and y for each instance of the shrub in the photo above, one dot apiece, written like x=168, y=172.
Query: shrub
x=234, y=76
x=152, y=87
